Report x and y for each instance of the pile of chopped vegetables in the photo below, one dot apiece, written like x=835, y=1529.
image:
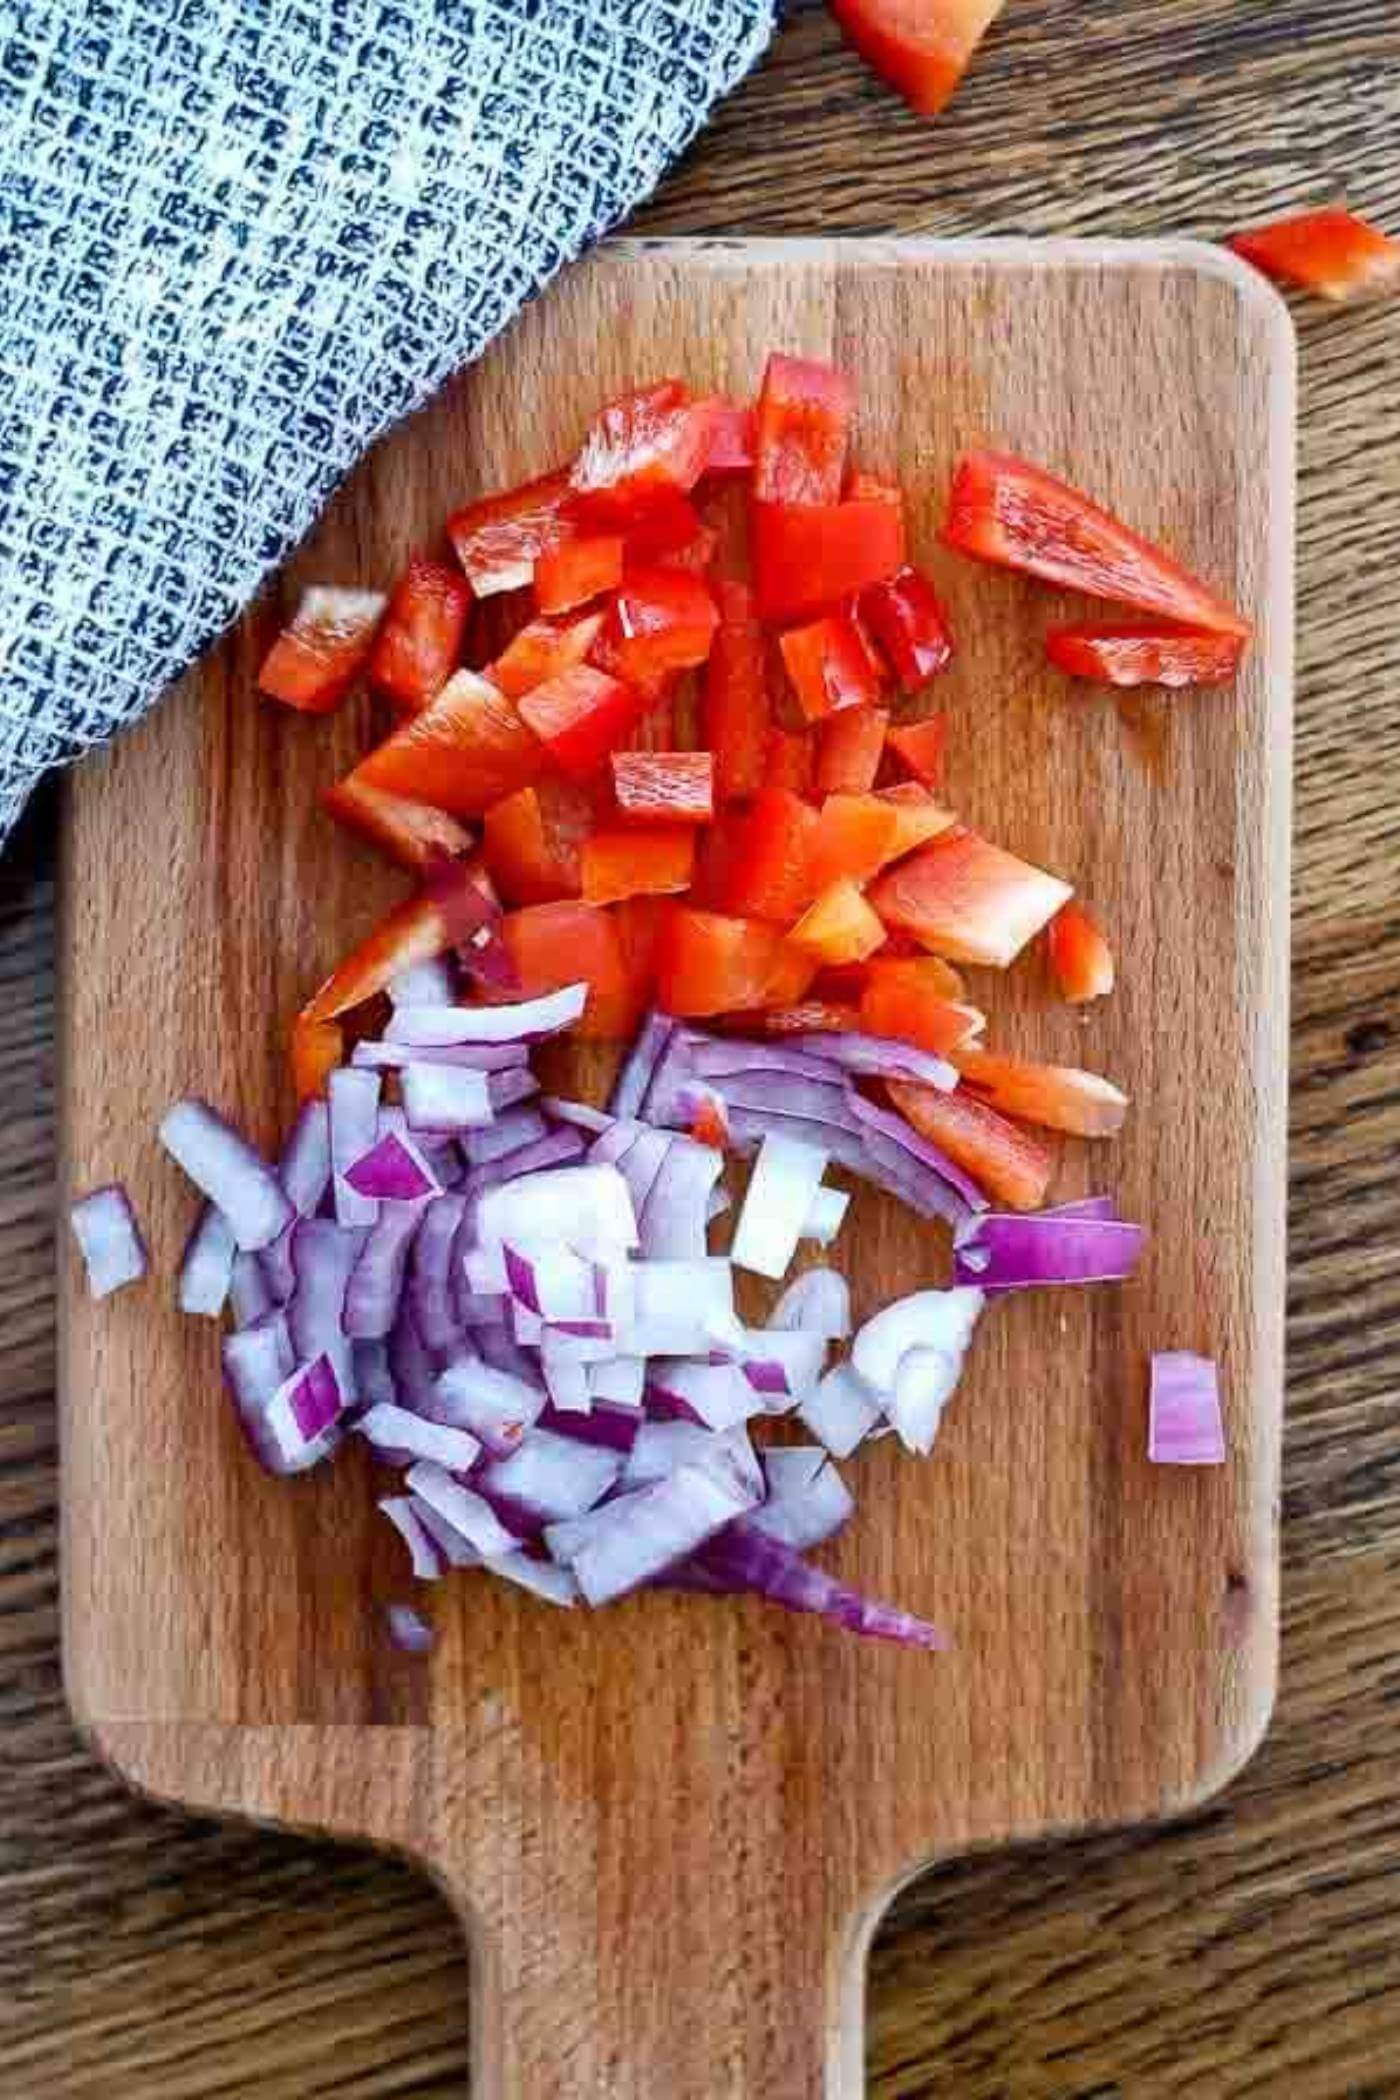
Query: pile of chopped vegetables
x=512, y=1297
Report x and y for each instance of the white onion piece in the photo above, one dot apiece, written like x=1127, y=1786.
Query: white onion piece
x=551, y=1281
x=257, y=1359
x=436, y=1026
x=375, y=1286
x=567, y=1539
x=683, y=1308
x=578, y=1341
x=354, y=1118
x=566, y=1380
x=619, y=1380
x=673, y=1221
x=594, y=1120
x=641, y=1164
x=587, y=1207
x=248, y=1294
x=924, y=1384
x=553, y=1476
x=207, y=1268
x=543, y=1578
x=941, y=1320
x=426, y=1560
x=495, y=1406
x=782, y=1366
x=424, y=984
x=509, y=1087
x=445, y=1097
x=454, y=1549
x=235, y=1178
x=323, y=1256
x=827, y=1215
x=841, y=1412
x=650, y=1532
x=808, y=1501
x=640, y=1063
x=302, y=1414
x=469, y=1514
x=430, y=1271
x=785, y=1179
x=719, y=1395
x=409, y=1630
x=401, y=1436
x=660, y=1447
x=476, y=1057
x=510, y=1132
x=817, y=1302
x=304, y=1169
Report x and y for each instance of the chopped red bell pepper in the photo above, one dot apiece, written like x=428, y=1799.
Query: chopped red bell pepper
x=557, y=944
x=920, y=745
x=412, y=833
x=576, y=568
x=850, y=746
x=531, y=840
x=1079, y=956
x=809, y=555
x=313, y=663
x=637, y=922
x=787, y=760
x=543, y=649
x=1058, y=1096
x=654, y=441
x=853, y=838
x=770, y=874
x=933, y=977
x=829, y=666
x=801, y=426
x=317, y=1047
x=731, y=437
x=1330, y=252
x=414, y=932
x=839, y=926
x=920, y=47
x=638, y=860
x=735, y=709
x=918, y=817
x=416, y=649
x=716, y=849
x=910, y=625
x=499, y=539
x=662, y=620
x=790, y=979
x=579, y=716
x=1120, y=655
x=676, y=787
x=1010, y=1165
x=899, y=1003
x=670, y=532
x=967, y=899
x=709, y=1125
x=708, y=963
x=1016, y=516
x=873, y=488
x=461, y=754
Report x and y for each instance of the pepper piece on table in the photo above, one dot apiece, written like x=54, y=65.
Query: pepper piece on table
x=551, y=945
x=462, y=753
x=662, y=620
x=807, y=556
x=968, y=900
x=850, y=745
x=921, y=48
x=838, y=926
x=580, y=715
x=898, y=1002
x=1331, y=252
x=416, y=649
x=412, y=833
x=920, y=747
x=1079, y=956
x=542, y=649
x=911, y=627
x=314, y=662
x=829, y=666
x=637, y=860
x=801, y=425
x=770, y=874
x=1058, y=1096
x=1139, y=655
x=734, y=707
x=576, y=568
x=648, y=444
x=499, y=539
x=713, y=963
x=1010, y=1165
x=531, y=840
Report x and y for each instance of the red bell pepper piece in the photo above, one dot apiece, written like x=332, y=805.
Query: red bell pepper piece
x=1120, y=655
x=873, y=488
x=557, y=944
x=1010, y=1165
x=637, y=922
x=461, y=754
x=967, y=899
x=731, y=437
x=910, y=625
x=716, y=850
x=707, y=963
x=809, y=1017
x=579, y=716
x=662, y=620
x=801, y=426
x=1331, y=252
x=675, y=787
x=1058, y=1096
x=933, y=977
x=920, y=746
x=734, y=706
x=790, y=979
x=853, y=838
x=788, y=760
x=809, y=555
x=920, y=47
x=499, y=539
x=918, y=818
x=542, y=650
x=416, y=649
x=669, y=531
x=709, y=1125
x=850, y=746
x=770, y=875
x=638, y=860
x=574, y=569
x=829, y=666
x=531, y=840
x=839, y=926
x=412, y=833
x=897, y=1002
x=313, y=663
x=1079, y=956
x=416, y=931
x=1016, y=516
x=655, y=441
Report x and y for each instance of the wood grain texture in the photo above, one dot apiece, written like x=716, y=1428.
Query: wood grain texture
x=1249, y=1948
x=673, y=1826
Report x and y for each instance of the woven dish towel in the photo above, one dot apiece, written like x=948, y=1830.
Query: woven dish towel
x=238, y=239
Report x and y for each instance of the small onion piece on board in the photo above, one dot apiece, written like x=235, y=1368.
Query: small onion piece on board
x=817, y=1302
x=781, y=1188
x=228, y=1171
x=651, y=1531
x=743, y=1558
x=109, y=1240
x=808, y=1501
x=393, y=1170
x=354, y=1115
x=206, y=1270
x=425, y=1558
x=940, y=1320
x=1186, y=1427
x=842, y=1411
x=827, y=1215
x=1012, y=1251
x=409, y=1630
x=445, y=1097
x=399, y=1436
x=542, y=1578
x=434, y=1027
x=640, y=1065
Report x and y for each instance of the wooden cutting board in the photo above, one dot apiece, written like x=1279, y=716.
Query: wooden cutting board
x=671, y=1827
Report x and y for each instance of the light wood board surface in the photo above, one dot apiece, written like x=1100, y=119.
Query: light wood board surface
x=674, y=1825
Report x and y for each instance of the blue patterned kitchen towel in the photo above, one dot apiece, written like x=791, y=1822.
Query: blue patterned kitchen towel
x=238, y=239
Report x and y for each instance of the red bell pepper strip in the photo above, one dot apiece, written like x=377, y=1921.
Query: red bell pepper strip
x=920, y=746
x=531, y=840
x=709, y=1125
x=717, y=848
x=1058, y=1096
x=1016, y=516
x=675, y=787
x=770, y=875
x=1331, y=252
x=1010, y=1165
x=850, y=746
x=801, y=426
x=708, y=963
x=734, y=705
x=787, y=761
x=637, y=923
x=574, y=569
x=810, y=555
x=638, y=860
x=1126, y=656
x=790, y=978
x=853, y=838
x=317, y=1047
x=655, y=441
x=896, y=1002
x=932, y=976
x=809, y=1017
x=829, y=666
x=918, y=817
x=911, y=627
x=731, y=437
x=968, y=900
x=668, y=531
x=579, y=716
x=461, y=754
x=313, y=663
x=662, y=620
x=415, y=931
x=920, y=47
x=412, y=833
x=499, y=539
x=1079, y=956
x=557, y=944
x=542, y=650
x=839, y=926
x=416, y=649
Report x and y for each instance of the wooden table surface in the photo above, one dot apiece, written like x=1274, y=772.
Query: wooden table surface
x=1254, y=1948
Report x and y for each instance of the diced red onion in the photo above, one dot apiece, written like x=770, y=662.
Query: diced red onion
x=399, y=1436
x=469, y=1514
x=304, y=1169
x=819, y=1302
x=683, y=1308
x=373, y=1375
x=207, y=1267
x=413, y=1367
x=726, y=1058
x=567, y=1539
x=614, y=1425
x=255, y=1362
x=409, y=1630
x=500, y=1350
x=471, y=1057
x=610, y=1144
x=841, y=1412
x=455, y=1550
x=249, y=1295
x=508, y=1133
x=640, y=1064
x=235, y=1178
x=1012, y=1252
x=554, y=1476
x=937, y=1320
x=660, y=1447
x=1186, y=1426
x=594, y=1120
x=718, y=1202
x=393, y=1170
x=323, y=1256
x=445, y=1097
x=807, y=1502
x=543, y=1578
x=424, y=1557
x=717, y=1395
x=880, y=1057
x=436, y=1026
x=560, y=1147
x=302, y=1414
x=673, y=1220
x=497, y=1407
x=924, y=1384
x=507, y=1089
x=276, y=1261
x=641, y=1164
x=551, y=1281
x=430, y=1271
x=789, y=1094
x=354, y=1116
x=782, y=1365
x=647, y=1533
x=619, y=1382
x=424, y=984
x=566, y=1382
x=743, y=1558
x=376, y=1282
x=784, y=1181
x=827, y=1215
x=587, y=1207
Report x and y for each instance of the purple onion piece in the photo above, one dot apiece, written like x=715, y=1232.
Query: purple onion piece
x=224, y=1166
x=1016, y=1252
x=434, y=1027
x=354, y=1119
x=673, y=1221
x=640, y=1065
x=880, y=1057
x=472, y=1057
x=744, y=1558
x=408, y=1629
x=638, y=1537
x=426, y=1560
x=1186, y=1426
x=883, y=1123
x=375, y=1287
x=556, y=1150
x=206, y=1268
